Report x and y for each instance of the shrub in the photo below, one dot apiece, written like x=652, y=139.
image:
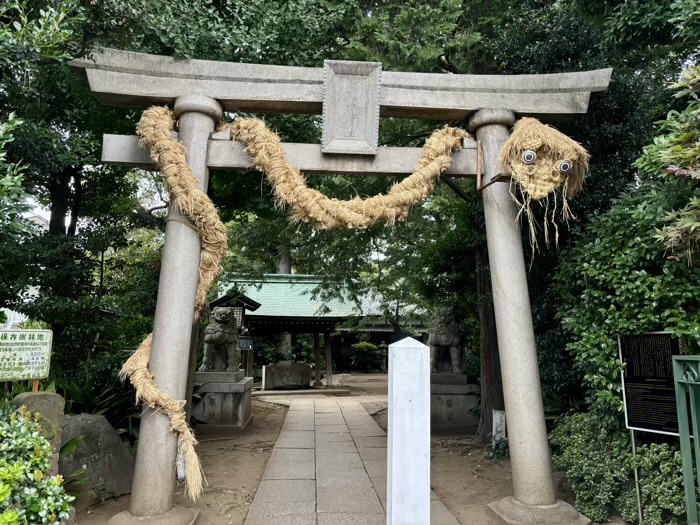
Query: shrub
x=27, y=493
x=599, y=466
x=594, y=462
x=366, y=357
x=661, y=486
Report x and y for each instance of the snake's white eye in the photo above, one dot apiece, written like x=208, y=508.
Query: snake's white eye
x=565, y=166
x=529, y=156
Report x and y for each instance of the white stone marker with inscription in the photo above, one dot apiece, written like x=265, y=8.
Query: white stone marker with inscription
x=25, y=354
x=408, y=454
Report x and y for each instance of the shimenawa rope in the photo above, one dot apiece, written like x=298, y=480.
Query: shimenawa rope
x=155, y=129
x=307, y=204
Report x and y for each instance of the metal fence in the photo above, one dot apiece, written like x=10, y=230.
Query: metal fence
x=686, y=375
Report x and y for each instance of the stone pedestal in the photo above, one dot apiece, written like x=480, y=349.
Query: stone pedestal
x=226, y=400
x=286, y=377
x=510, y=511
x=451, y=404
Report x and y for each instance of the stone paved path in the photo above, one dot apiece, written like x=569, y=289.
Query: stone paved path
x=328, y=467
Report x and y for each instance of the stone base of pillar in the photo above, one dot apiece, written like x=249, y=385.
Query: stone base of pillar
x=451, y=404
x=318, y=384
x=509, y=511
x=226, y=400
x=175, y=516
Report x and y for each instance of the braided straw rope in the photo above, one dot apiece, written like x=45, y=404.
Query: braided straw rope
x=155, y=128
x=307, y=204
x=263, y=145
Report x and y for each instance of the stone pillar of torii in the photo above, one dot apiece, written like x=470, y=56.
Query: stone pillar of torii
x=351, y=96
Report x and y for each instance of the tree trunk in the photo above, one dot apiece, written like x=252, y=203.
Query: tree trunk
x=59, y=190
x=491, y=384
x=77, y=202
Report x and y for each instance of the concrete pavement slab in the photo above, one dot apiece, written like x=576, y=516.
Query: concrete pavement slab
x=336, y=446
x=338, y=460
x=367, y=431
x=327, y=437
x=297, y=426
x=349, y=475
x=367, y=441
x=295, y=439
x=348, y=499
x=281, y=497
x=331, y=429
x=334, y=518
x=293, y=455
x=286, y=470
x=372, y=453
x=375, y=469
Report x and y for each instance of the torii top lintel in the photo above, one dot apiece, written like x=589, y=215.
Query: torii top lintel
x=123, y=78
x=351, y=95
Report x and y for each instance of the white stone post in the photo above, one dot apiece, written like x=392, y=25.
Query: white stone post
x=533, y=499
x=408, y=448
x=154, y=474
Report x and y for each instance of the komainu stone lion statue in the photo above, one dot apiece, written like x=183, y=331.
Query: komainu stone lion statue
x=444, y=333
x=221, y=351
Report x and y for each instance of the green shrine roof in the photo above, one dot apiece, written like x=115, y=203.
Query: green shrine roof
x=291, y=295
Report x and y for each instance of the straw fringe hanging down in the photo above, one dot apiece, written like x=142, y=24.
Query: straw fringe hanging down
x=263, y=145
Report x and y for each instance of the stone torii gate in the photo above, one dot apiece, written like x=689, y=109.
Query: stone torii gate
x=351, y=96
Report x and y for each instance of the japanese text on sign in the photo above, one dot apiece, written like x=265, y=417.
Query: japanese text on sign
x=647, y=382
x=24, y=354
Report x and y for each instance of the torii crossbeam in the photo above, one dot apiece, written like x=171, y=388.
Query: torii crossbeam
x=351, y=96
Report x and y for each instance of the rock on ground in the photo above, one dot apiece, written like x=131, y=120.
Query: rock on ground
x=102, y=453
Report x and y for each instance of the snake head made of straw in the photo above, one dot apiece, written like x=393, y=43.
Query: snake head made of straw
x=542, y=159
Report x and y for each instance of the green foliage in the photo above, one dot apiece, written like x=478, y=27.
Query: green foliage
x=27, y=492
x=651, y=22
x=366, y=357
x=411, y=37
x=618, y=281
x=599, y=465
x=594, y=461
x=27, y=37
x=561, y=382
x=303, y=32
x=661, y=486
x=676, y=151
x=678, y=142
x=115, y=402
x=13, y=197
x=302, y=350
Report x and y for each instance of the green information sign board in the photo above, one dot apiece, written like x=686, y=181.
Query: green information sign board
x=25, y=354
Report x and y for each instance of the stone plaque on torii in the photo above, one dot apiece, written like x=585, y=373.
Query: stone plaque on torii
x=351, y=96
